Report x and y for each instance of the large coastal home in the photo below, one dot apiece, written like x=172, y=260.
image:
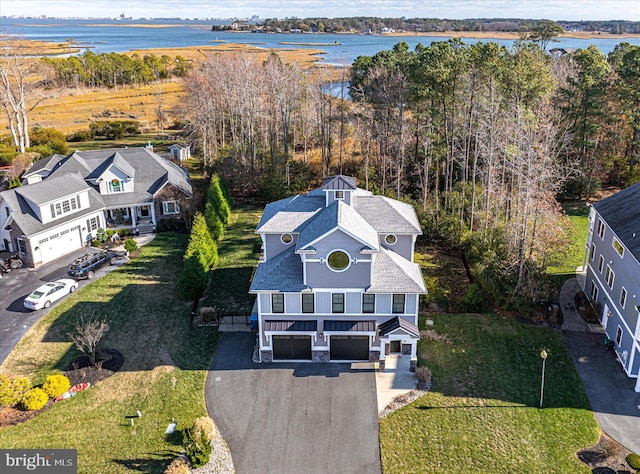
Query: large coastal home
x=613, y=273
x=64, y=200
x=337, y=280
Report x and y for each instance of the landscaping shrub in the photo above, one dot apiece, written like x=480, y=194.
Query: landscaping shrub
x=216, y=196
x=472, y=300
x=13, y=389
x=130, y=245
x=177, y=466
x=206, y=425
x=35, y=399
x=209, y=314
x=633, y=460
x=193, y=279
x=102, y=235
x=197, y=447
x=423, y=374
x=55, y=385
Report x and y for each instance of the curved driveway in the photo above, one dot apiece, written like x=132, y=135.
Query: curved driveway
x=292, y=417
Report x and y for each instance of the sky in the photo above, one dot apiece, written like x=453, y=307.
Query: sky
x=451, y=9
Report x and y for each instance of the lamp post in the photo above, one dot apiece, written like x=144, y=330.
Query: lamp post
x=543, y=354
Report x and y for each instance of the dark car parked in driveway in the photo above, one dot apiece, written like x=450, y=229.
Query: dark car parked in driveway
x=85, y=266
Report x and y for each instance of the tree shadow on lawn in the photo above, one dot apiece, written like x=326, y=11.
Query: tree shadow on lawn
x=150, y=331
x=157, y=462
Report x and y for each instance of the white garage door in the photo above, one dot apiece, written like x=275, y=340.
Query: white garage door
x=59, y=245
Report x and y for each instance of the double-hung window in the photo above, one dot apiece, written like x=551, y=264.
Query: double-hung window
x=307, y=303
x=609, y=276
x=368, y=303
x=398, y=304
x=277, y=303
x=170, y=207
x=337, y=302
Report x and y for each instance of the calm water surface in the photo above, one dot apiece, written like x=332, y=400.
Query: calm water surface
x=104, y=36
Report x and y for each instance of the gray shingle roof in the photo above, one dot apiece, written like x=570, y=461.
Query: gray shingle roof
x=26, y=219
x=280, y=273
x=397, y=322
x=53, y=189
x=43, y=166
x=342, y=216
x=339, y=182
x=394, y=274
x=151, y=172
x=387, y=216
x=621, y=211
x=289, y=215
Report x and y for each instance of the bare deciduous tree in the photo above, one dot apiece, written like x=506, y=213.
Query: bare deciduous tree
x=88, y=331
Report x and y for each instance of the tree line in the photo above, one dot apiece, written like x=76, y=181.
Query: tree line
x=376, y=25
x=482, y=138
x=112, y=69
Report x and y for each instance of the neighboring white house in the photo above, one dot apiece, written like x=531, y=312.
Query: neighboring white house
x=337, y=280
x=180, y=151
x=612, y=282
x=65, y=199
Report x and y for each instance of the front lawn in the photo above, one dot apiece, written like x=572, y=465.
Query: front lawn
x=163, y=375
x=482, y=413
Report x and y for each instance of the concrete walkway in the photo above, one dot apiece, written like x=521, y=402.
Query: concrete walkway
x=395, y=380
x=614, y=403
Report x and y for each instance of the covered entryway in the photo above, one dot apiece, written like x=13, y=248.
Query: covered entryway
x=291, y=347
x=349, y=347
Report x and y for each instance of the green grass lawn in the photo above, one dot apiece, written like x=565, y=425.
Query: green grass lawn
x=163, y=374
x=165, y=367
x=482, y=413
x=229, y=282
x=578, y=214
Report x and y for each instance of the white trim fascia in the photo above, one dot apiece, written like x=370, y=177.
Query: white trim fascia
x=338, y=227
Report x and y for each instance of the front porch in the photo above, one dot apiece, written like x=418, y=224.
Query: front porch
x=140, y=218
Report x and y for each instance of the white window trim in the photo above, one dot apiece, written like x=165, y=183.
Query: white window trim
x=609, y=273
x=616, y=241
x=284, y=309
x=395, y=239
x=282, y=239
x=338, y=195
x=619, y=335
x=601, y=228
x=623, y=302
x=165, y=207
x=338, y=270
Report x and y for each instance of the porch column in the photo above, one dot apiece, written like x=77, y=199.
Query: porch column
x=132, y=211
x=153, y=214
x=637, y=389
x=382, y=360
x=414, y=358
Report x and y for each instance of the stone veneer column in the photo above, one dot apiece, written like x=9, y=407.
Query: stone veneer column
x=266, y=356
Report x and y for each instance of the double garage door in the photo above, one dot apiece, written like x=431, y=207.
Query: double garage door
x=342, y=347
x=58, y=245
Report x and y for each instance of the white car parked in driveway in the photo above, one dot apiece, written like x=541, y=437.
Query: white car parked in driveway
x=50, y=292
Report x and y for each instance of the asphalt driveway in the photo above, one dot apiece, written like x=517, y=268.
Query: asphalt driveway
x=292, y=418
x=614, y=403
x=15, y=286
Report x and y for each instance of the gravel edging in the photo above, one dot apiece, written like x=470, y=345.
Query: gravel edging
x=220, y=461
x=401, y=401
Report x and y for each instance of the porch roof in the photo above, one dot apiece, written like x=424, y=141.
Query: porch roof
x=398, y=323
x=271, y=325
x=352, y=326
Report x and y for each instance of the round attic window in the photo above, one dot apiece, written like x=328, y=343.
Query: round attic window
x=338, y=261
x=390, y=239
x=286, y=238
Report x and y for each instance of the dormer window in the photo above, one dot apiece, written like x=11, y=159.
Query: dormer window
x=116, y=186
x=65, y=206
x=338, y=261
x=339, y=194
x=390, y=239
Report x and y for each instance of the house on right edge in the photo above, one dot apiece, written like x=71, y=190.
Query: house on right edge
x=337, y=280
x=613, y=273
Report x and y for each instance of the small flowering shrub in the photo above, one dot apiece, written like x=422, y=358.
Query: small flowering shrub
x=56, y=385
x=35, y=399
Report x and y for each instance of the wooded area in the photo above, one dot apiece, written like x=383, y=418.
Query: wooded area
x=483, y=139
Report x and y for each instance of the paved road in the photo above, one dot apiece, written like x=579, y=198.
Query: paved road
x=292, y=418
x=15, y=286
x=614, y=403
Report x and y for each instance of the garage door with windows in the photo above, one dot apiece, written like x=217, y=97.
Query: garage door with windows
x=57, y=245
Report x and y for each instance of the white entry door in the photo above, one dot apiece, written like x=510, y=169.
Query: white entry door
x=605, y=316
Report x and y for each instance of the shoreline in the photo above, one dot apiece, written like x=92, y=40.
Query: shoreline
x=510, y=35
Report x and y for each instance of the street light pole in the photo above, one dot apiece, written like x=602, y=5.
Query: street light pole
x=543, y=354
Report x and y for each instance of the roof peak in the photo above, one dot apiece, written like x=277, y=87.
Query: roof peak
x=339, y=182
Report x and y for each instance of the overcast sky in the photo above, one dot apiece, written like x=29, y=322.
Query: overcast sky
x=550, y=9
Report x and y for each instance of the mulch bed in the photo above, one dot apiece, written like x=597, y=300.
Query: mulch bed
x=606, y=457
x=108, y=362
